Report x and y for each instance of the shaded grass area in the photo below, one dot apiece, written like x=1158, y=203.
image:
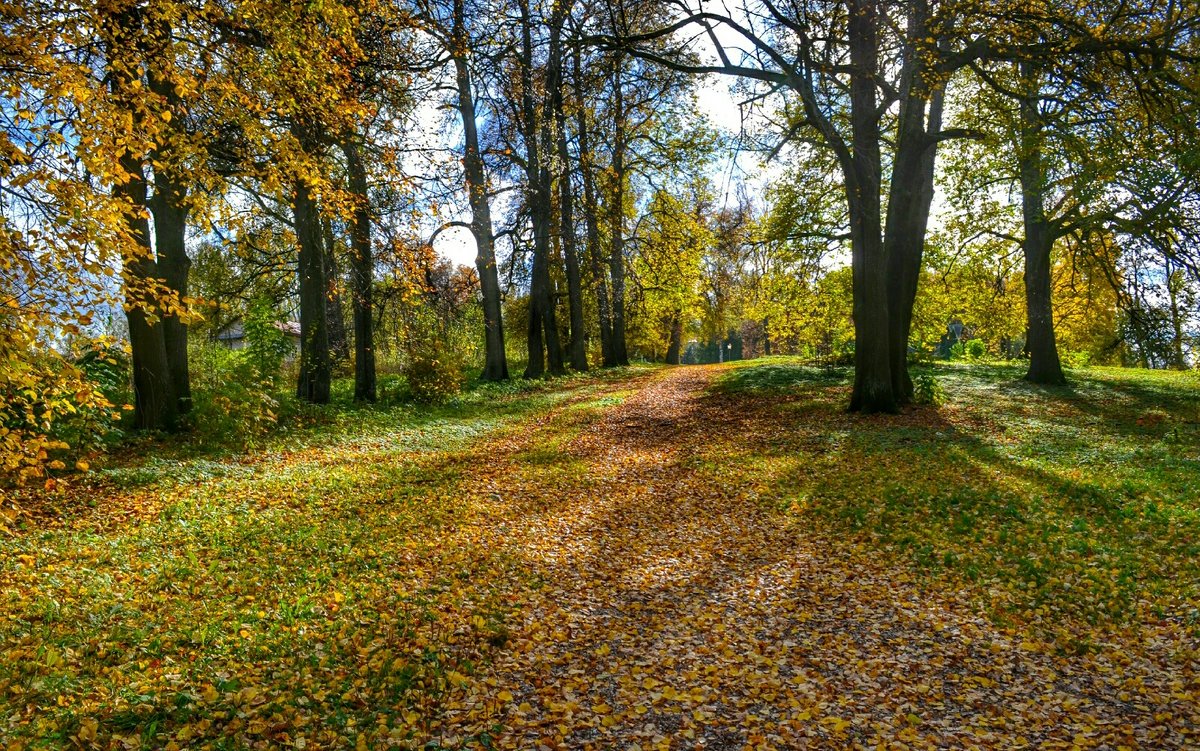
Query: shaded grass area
x=332, y=583
x=388, y=425
x=1049, y=505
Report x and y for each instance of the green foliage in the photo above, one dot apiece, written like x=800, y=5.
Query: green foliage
x=976, y=349
x=50, y=410
x=108, y=369
x=1075, y=358
x=93, y=428
x=232, y=402
x=927, y=389
x=668, y=268
x=958, y=351
x=434, y=374
x=267, y=346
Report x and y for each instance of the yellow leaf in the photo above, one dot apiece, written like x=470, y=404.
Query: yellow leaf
x=87, y=729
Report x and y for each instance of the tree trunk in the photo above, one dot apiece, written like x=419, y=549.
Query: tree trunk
x=543, y=327
x=315, y=364
x=675, y=346
x=170, y=231
x=362, y=271
x=577, y=348
x=591, y=213
x=873, y=389
x=170, y=210
x=1175, y=281
x=910, y=196
x=536, y=365
x=1044, y=365
x=155, y=402
x=496, y=360
x=616, y=258
x=335, y=317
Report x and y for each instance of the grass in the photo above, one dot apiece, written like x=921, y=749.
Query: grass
x=1047, y=504
x=334, y=581
x=182, y=595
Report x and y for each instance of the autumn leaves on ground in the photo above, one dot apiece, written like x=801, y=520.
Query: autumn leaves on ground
x=703, y=557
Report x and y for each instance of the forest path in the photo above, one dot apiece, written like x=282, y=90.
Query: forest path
x=675, y=611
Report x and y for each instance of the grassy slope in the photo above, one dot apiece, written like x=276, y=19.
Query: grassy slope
x=1049, y=504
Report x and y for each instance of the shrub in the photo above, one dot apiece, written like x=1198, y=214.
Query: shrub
x=434, y=374
x=94, y=426
x=928, y=390
x=1076, y=358
x=266, y=345
x=50, y=411
x=958, y=351
x=232, y=402
x=976, y=349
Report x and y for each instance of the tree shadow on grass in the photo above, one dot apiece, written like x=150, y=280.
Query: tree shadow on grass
x=674, y=551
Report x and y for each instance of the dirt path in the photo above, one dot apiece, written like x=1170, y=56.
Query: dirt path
x=674, y=612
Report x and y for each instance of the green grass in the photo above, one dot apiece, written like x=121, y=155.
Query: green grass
x=393, y=424
x=325, y=582
x=315, y=585
x=1046, y=504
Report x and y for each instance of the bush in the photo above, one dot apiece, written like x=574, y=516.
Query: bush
x=927, y=389
x=232, y=402
x=976, y=349
x=1076, y=358
x=51, y=412
x=94, y=427
x=958, y=351
x=266, y=345
x=434, y=374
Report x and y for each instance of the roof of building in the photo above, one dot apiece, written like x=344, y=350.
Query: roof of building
x=235, y=330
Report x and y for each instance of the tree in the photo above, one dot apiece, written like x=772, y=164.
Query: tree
x=362, y=274
x=670, y=246
x=456, y=39
x=534, y=125
x=156, y=405
x=557, y=86
x=848, y=64
x=836, y=57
